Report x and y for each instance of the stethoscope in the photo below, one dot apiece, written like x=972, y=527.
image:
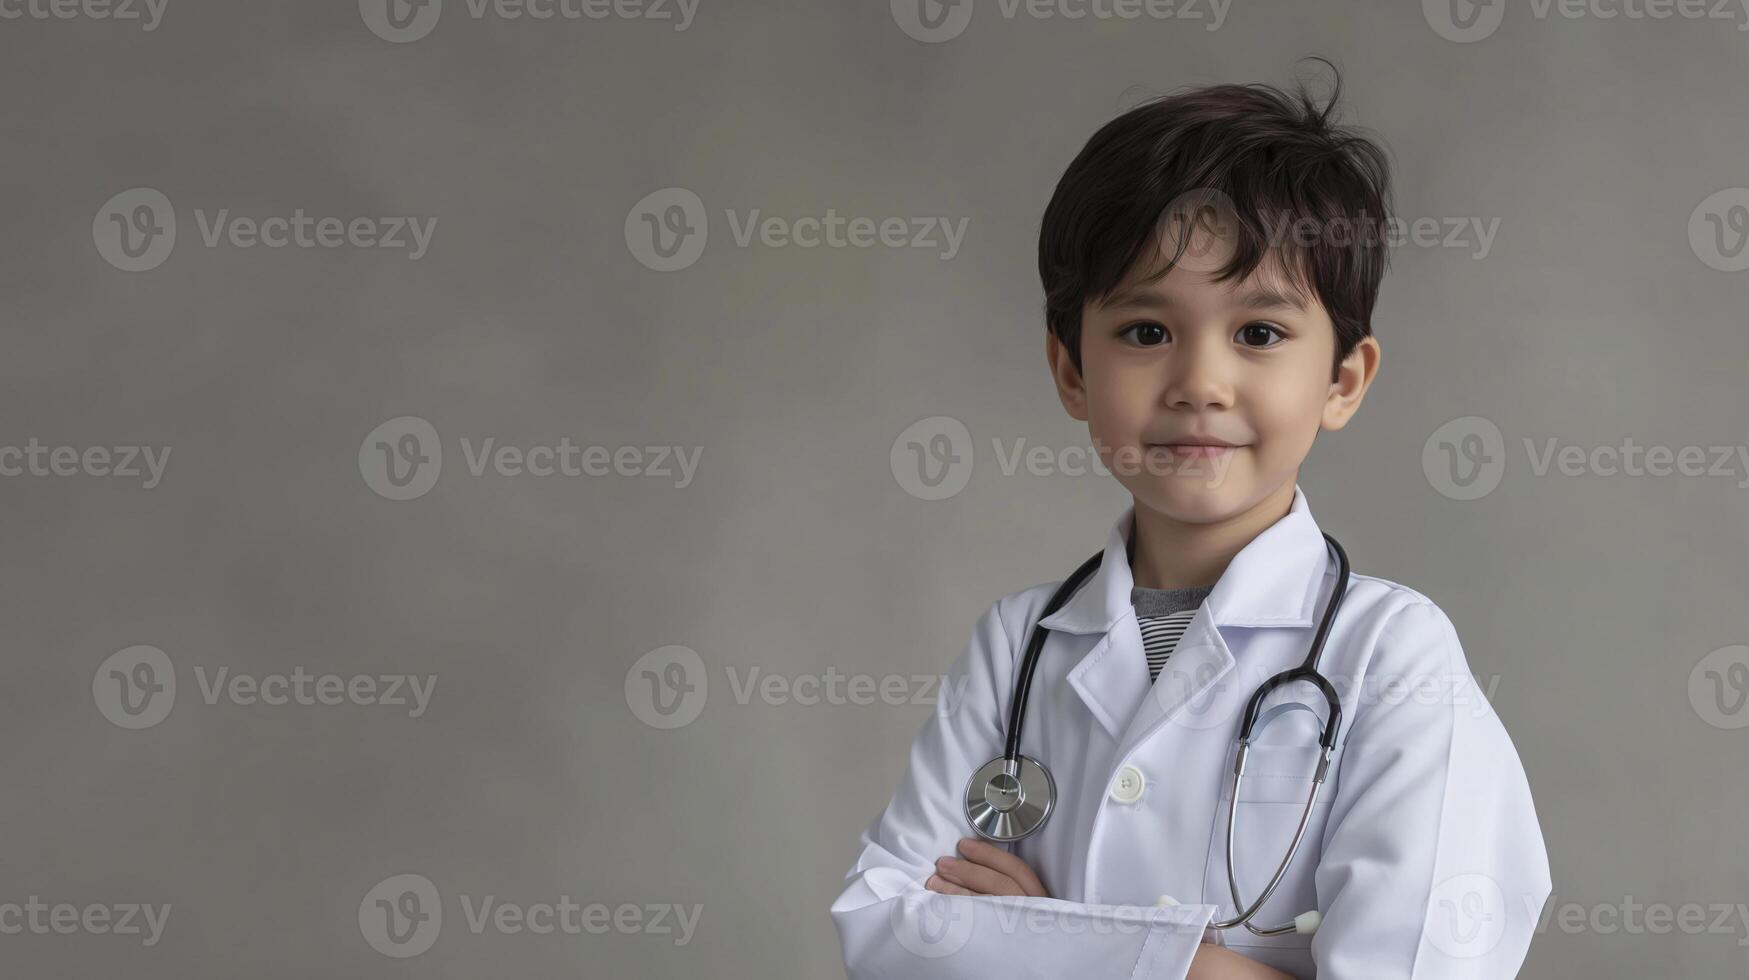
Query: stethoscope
x=1010, y=798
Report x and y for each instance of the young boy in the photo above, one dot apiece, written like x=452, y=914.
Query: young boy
x=1210, y=264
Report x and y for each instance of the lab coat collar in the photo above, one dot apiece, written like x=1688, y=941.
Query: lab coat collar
x=1273, y=581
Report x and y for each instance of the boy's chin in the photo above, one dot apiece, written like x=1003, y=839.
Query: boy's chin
x=1190, y=499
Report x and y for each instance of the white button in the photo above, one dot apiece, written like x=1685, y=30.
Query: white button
x=1128, y=786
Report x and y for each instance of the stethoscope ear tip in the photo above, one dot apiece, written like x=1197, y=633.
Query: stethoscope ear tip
x=1307, y=923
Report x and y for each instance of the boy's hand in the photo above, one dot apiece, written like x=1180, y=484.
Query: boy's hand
x=984, y=869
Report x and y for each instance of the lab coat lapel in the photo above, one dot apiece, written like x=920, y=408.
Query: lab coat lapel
x=1112, y=678
x=1273, y=581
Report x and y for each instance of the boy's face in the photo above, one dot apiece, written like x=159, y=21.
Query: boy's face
x=1172, y=369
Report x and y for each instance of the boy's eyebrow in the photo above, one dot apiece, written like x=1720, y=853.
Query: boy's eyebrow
x=1259, y=298
x=1270, y=299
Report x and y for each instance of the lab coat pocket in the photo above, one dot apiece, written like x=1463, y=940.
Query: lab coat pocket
x=1271, y=798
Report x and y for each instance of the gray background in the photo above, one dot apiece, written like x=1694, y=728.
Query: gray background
x=1590, y=600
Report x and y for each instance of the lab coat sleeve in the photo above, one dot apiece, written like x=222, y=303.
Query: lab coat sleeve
x=891, y=926
x=1433, y=865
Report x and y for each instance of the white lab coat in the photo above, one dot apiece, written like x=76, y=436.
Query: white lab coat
x=1423, y=855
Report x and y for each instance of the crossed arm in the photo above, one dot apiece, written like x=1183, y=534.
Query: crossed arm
x=985, y=869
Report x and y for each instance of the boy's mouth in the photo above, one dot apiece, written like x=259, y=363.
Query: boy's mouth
x=1197, y=447
x=1196, y=450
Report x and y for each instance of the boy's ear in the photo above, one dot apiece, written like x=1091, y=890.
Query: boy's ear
x=1070, y=389
x=1352, y=379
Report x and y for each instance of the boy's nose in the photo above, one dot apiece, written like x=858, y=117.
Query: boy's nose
x=1199, y=381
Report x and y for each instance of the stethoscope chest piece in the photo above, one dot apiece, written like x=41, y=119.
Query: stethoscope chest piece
x=1006, y=801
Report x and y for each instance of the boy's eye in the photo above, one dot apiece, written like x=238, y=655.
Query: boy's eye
x=1258, y=334
x=1145, y=334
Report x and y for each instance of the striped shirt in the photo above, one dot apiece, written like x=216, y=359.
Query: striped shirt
x=1162, y=615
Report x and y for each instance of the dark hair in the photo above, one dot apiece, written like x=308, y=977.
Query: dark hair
x=1273, y=158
